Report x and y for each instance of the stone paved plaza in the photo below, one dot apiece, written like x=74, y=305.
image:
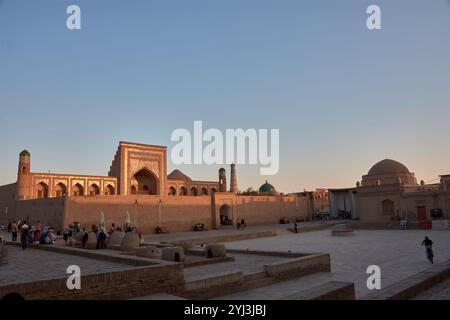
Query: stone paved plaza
x=397, y=252
x=34, y=264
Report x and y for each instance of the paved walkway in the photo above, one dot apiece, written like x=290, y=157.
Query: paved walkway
x=397, y=252
x=34, y=264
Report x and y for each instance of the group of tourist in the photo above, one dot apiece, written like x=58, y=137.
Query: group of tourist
x=100, y=233
x=30, y=233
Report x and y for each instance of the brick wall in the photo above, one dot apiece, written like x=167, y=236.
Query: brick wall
x=262, y=210
x=125, y=284
x=179, y=213
x=7, y=202
x=173, y=213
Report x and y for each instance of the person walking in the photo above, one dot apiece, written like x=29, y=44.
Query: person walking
x=24, y=232
x=14, y=230
x=429, y=248
x=295, y=227
x=84, y=238
x=66, y=236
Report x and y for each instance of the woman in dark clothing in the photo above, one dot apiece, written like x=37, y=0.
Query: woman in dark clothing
x=429, y=248
x=24, y=231
x=101, y=239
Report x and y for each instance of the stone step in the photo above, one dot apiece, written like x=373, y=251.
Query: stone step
x=332, y=290
x=272, y=289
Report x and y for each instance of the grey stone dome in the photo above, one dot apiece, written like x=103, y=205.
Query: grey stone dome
x=387, y=166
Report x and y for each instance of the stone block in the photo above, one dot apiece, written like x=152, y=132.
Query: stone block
x=342, y=230
x=149, y=252
x=175, y=254
x=216, y=251
x=91, y=243
x=115, y=239
x=130, y=242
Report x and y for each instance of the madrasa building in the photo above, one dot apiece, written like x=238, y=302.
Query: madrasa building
x=138, y=183
x=389, y=192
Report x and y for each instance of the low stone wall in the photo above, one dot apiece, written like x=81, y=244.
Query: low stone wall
x=299, y=266
x=94, y=254
x=133, y=282
x=217, y=280
x=226, y=238
x=206, y=261
x=414, y=285
x=228, y=283
x=333, y=290
x=3, y=252
x=270, y=253
x=393, y=225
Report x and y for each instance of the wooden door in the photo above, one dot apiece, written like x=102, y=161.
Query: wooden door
x=421, y=213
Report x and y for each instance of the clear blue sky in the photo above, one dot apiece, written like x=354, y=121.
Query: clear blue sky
x=342, y=96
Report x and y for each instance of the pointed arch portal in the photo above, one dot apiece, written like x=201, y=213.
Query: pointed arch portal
x=147, y=182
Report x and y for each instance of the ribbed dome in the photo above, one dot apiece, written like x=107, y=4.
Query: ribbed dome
x=266, y=188
x=387, y=166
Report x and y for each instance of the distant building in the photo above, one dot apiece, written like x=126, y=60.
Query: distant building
x=390, y=192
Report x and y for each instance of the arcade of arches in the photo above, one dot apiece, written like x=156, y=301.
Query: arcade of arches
x=193, y=191
x=60, y=190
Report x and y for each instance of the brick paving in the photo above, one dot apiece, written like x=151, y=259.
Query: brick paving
x=34, y=264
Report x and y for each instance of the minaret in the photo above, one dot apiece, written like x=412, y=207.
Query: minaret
x=222, y=180
x=23, y=176
x=233, y=180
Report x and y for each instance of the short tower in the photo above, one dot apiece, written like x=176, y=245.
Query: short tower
x=222, y=180
x=23, y=176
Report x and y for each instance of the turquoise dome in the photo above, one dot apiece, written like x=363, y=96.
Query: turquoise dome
x=267, y=188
